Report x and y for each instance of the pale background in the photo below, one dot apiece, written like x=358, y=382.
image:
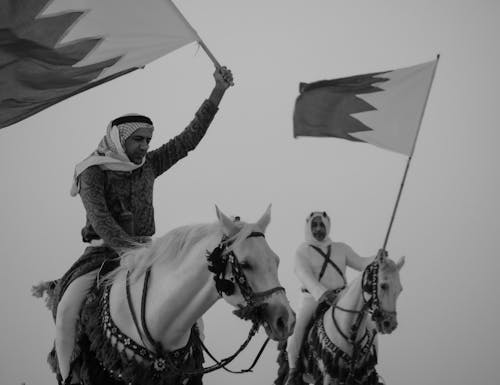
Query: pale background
x=447, y=224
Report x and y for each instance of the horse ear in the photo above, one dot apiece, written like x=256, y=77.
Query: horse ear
x=227, y=224
x=400, y=263
x=263, y=222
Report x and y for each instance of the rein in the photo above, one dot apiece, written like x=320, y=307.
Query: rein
x=222, y=363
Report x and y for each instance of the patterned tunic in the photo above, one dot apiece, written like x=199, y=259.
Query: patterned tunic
x=107, y=195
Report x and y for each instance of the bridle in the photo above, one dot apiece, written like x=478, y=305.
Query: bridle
x=369, y=285
x=217, y=264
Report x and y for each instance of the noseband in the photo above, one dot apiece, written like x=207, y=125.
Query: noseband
x=217, y=264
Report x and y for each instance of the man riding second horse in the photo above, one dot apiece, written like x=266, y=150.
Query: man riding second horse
x=320, y=266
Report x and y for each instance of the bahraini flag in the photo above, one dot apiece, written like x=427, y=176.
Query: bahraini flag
x=384, y=108
x=53, y=49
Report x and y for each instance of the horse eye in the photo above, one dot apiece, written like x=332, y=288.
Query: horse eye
x=245, y=266
x=384, y=286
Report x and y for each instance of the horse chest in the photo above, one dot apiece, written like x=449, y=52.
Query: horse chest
x=325, y=360
x=124, y=360
x=121, y=313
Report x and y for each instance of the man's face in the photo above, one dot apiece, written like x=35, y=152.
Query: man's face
x=318, y=229
x=136, y=145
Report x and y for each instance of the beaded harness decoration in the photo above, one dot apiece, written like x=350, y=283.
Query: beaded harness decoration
x=162, y=362
x=254, y=308
x=217, y=264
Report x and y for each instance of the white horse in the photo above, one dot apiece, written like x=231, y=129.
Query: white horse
x=142, y=324
x=341, y=347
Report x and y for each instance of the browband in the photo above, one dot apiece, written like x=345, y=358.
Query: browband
x=255, y=234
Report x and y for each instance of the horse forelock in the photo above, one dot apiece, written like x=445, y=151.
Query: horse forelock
x=244, y=230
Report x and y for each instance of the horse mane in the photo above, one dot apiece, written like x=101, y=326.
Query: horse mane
x=174, y=244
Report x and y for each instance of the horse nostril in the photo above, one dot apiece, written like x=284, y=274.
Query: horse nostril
x=387, y=324
x=280, y=324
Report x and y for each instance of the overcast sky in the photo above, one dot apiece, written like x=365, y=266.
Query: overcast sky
x=447, y=225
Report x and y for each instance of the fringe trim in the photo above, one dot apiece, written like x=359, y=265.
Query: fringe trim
x=96, y=360
x=101, y=361
x=320, y=358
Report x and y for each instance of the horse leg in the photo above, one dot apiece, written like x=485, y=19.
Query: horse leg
x=68, y=310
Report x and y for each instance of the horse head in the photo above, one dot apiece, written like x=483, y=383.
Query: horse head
x=383, y=283
x=248, y=278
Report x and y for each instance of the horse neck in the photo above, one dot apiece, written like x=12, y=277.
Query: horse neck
x=181, y=291
x=352, y=300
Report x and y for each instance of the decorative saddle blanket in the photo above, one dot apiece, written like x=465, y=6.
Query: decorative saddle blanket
x=103, y=354
x=320, y=356
x=131, y=364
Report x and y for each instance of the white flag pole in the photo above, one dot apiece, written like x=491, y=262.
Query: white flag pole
x=409, y=159
x=212, y=57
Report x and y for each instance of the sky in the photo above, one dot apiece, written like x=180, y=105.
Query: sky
x=447, y=224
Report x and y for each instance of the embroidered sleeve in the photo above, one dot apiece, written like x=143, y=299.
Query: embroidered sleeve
x=177, y=148
x=306, y=274
x=98, y=214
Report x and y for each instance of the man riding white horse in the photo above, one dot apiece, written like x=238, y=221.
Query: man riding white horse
x=320, y=266
x=116, y=186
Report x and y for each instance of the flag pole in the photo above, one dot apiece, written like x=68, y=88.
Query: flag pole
x=409, y=159
x=397, y=203
x=207, y=51
x=212, y=57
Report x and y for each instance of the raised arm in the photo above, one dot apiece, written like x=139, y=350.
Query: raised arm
x=306, y=274
x=177, y=148
x=223, y=80
x=98, y=214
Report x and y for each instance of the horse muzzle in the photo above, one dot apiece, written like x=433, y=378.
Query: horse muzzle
x=279, y=321
x=385, y=321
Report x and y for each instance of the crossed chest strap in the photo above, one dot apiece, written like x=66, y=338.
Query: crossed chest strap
x=327, y=261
